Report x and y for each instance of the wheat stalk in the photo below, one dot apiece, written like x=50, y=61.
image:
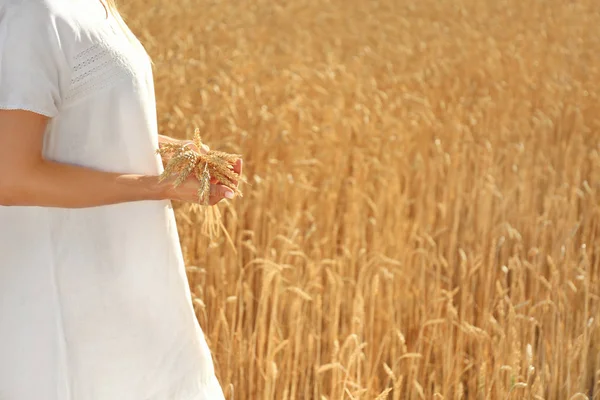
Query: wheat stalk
x=427, y=190
x=216, y=165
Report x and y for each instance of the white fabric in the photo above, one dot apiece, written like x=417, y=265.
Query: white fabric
x=94, y=302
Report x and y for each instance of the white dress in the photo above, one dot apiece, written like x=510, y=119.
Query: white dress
x=94, y=302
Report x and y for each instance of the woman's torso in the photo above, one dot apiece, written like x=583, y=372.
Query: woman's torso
x=94, y=303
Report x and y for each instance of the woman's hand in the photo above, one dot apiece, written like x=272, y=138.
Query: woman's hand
x=237, y=167
x=188, y=191
x=190, y=143
x=187, y=143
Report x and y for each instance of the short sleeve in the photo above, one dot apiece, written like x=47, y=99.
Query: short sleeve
x=29, y=60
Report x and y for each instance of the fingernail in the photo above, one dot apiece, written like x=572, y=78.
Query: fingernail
x=229, y=194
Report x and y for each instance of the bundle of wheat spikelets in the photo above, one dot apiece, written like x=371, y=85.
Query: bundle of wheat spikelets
x=211, y=166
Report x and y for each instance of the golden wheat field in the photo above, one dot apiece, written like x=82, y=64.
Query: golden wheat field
x=422, y=216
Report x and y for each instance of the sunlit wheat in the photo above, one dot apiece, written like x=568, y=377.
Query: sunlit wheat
x=422, y=217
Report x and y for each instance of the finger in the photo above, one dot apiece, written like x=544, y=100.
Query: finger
x=221, y=191
x=205, y=149
x=189, y=144
x=237, y=167
x=218, y=193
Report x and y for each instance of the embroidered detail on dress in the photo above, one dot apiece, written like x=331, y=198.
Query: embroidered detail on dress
x=86, y=52
x=97, y=67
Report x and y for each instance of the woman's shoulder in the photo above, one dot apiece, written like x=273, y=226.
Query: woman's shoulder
x=30, y=27
x=47, y=22
x=32, y=60
x=34, y=15
x=34, y=9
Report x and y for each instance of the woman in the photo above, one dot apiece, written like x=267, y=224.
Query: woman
x=94, y=301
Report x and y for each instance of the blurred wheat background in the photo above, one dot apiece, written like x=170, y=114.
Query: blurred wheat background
x=422, y=218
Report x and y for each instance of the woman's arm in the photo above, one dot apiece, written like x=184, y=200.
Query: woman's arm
x=26, y=179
